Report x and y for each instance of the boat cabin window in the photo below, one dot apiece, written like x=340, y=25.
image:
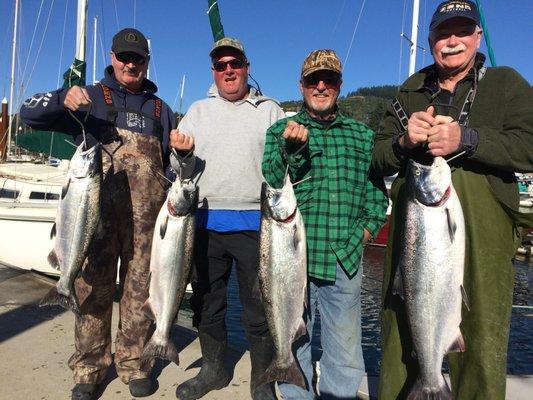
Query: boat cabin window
x=44, y=196
x=9, y=194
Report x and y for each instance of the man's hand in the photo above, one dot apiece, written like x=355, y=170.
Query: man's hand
x=295, y=132
x=367, y=237
x=180, y=141
x=76, y=97
x=444, y=137
x=418, y=128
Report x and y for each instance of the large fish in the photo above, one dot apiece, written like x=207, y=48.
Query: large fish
x=170, y=264
x=430, y=272
x=77, y=218
x=283, y=279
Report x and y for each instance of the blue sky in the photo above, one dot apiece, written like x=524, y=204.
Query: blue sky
x=277, y=35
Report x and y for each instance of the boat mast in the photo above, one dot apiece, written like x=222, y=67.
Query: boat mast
x=94, y=48
x=414, y=37
x=81, y=29
x=12, y=81
x=149, y=52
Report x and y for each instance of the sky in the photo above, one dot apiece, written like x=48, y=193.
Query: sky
x=277, y=35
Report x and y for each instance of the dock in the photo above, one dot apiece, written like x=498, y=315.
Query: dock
x=35, y=344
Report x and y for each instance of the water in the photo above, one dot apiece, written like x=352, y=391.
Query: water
x=520, y=356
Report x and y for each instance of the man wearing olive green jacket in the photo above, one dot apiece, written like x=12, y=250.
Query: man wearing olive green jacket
x=458, y=106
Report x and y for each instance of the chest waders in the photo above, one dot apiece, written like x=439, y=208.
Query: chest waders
x=492, y=236
x=132, y=193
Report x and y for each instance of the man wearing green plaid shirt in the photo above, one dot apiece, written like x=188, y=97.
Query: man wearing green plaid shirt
x=342, y=207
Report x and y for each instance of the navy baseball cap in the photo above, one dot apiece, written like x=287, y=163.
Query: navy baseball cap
x=452, y=9
x=130, y=40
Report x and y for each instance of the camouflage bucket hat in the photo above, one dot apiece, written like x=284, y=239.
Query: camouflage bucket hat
x=227, y=42
x=321, y=59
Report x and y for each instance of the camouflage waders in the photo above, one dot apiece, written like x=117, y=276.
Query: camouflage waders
x=491, y=240
x=132, y=194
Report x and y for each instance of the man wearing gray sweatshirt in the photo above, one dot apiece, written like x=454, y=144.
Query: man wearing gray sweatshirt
x=227, y=132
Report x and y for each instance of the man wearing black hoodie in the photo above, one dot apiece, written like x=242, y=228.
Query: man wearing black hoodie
x=133, y=125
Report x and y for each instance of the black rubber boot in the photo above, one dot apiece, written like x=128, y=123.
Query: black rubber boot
x=212, y=376
x=84, y=391
x=142, y=387
x=261, y=352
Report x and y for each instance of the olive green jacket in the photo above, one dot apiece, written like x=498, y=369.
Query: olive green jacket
x=502, y=114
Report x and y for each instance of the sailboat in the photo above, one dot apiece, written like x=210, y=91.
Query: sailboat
x=30, y=192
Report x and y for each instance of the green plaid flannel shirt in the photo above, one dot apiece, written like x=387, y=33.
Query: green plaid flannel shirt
x=340, y=199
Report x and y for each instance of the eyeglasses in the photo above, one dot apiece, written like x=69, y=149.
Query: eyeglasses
x=127, y=58
x=236, y=63
x=312, y=81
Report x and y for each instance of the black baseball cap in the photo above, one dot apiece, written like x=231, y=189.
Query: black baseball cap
x=452, y=9
x=130, y=40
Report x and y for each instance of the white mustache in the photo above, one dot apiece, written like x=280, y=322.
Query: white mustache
x=455, y=49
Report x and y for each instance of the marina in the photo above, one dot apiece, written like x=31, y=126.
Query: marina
x=39, y=341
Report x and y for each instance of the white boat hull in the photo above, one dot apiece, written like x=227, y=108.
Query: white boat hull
x=26, y=241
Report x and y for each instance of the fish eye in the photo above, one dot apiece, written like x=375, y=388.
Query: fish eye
x=417, y=172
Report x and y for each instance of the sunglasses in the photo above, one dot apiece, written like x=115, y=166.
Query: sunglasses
x=127, y=58
x=329, y=81
x=236, y=63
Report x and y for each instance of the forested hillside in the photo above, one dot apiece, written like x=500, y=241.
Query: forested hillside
x=366, y=104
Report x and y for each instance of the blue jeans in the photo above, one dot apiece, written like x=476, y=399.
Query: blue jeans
x=341, y=365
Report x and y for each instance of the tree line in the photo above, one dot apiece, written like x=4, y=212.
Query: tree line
x=366, y=104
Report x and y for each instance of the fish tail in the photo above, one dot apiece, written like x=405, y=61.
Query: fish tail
x=165, y=350
x=53, y=297
x=421, y=392
x=290, y=374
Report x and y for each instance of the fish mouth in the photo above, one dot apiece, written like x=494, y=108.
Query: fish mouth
x=443, y=199
x=289, y=218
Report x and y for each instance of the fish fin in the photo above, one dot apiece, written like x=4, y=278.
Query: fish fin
x=420, y=392
x=465, y=298
x=147, y=310
x=64, y=189
x=166, y=351
x=397, y=285
x=290, y=374
x=458, y=344
x=53, y=231
x=301, y=330
x=163, y=227
x=452, y=226
x=53, y=297
x=53, y=260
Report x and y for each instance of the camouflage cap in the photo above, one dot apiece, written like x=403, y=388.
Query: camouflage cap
x=321, y=59
x=227, y=42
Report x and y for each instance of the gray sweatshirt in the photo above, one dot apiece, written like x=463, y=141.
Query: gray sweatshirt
x=229, y=140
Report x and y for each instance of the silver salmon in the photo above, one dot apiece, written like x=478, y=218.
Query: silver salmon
x=430, y=272
x=77, y=219
x=170, y=265
x=283, y=279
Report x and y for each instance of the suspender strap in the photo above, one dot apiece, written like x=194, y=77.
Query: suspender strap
x=157, y=108
x=113, y=111
x=107, y=95
x=465, y=110
x=400, y=113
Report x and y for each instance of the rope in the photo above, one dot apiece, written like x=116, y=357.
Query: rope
x=33, y=37
x=62, y=44
x=23, y=91
x=486, y=34
x=355, y=30
x=341, y=12
x=116, y=15
x=401, y=44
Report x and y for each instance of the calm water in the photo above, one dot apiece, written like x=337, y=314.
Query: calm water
x=520, y=358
